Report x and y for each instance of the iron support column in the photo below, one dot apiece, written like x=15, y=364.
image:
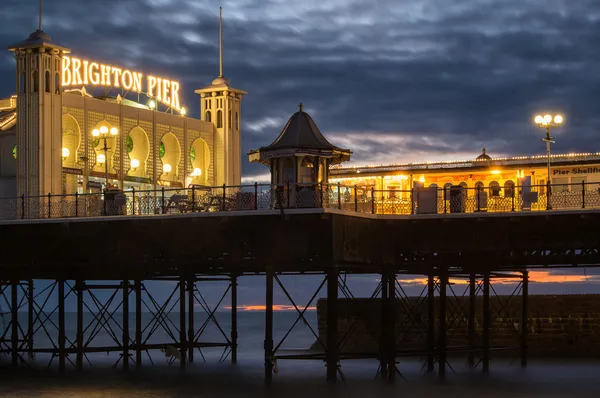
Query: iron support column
x=383, y=360
x=191, y=307
x=471, y=321
x=125, y=325
x=332, y=325
x=62, y=354
x=486, y=321
x=430, y=323
x=524, y=314
x=80, y=289
x=234, y=329
x=391, y=349
x=138, y=323
x=30, y=317
x=182, y=331
x=14, y=312
x=268, y=345
x=442, y=326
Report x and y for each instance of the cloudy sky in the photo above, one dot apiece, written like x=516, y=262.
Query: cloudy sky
x=393, y=80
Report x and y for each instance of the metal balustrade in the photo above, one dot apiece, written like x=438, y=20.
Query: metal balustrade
x=432, y=200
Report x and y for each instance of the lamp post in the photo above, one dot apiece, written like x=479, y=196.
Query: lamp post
x=547, y=122
x=104, y=132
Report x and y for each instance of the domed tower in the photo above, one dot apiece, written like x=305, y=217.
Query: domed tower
x=221, y=104
x=300, y=156
x=39, y=114
x=484, y=157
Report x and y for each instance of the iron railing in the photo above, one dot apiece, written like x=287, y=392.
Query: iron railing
x=432, y=200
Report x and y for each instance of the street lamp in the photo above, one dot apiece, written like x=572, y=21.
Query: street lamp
x=547, y=122
x=103, y=133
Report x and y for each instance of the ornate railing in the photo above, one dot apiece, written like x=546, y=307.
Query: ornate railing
x=255, y=197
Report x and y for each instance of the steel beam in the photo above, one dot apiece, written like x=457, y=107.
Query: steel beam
x=125, y=336
x=191, y=309
x=268, y=345
x=384, y=333
x=442, y=326
x=332, y=325
x=471, y=319
x=138, y=323
x=487, y=322
x=182, y=330
x=79, y=288
x=430, y=322
x=524, y=314
x=14, y=312
x=234, y=327
x=391, y=342
x=62, y=354
x=30, y=316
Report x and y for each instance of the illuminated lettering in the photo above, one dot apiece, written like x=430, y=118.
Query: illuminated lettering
x=165, y=91
x=137, y=82
x=151, y=86
x=94, y=75
x=126, y=80
x=117, y=73
x=105, y=73
x=77, y=72
x=66, y=72
x=85, y=72
x=175, y=95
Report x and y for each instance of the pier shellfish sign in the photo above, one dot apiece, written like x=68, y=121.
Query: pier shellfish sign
x=77, y=72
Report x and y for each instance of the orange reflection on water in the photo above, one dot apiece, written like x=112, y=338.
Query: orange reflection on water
x=276, y=307
x=534, y=276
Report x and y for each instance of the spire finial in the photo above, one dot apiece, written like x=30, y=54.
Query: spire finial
x=483, y=151
x=300, y=106
x=40, y=28
x=220, y=41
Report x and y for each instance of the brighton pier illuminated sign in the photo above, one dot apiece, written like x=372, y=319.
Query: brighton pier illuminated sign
x=77, y=72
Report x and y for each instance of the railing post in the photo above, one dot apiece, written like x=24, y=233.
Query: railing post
x=583, y=194
x=321, y=193
x=548, y=205
x=288, y=194
x=224, y=196
x=513, y=198
x=339, y=197
x=355, y=199
x=76, y=204
x=193, y=199
x=255, y=195
x=372, y=200
x=477, y=192
x=412, y=200
x=49, y=205
x=162, y=204
x=445, y=205
x=133, y=200
x=23, y=206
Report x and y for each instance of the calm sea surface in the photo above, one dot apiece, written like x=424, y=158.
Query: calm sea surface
x=207, y=377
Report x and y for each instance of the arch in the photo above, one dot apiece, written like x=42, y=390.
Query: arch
x=71, y=140
x=47, y=81
x=494, y=188
x=219, y=119
x=207, y=116
x=137, y=146
x=447, y=187
x=288, y=171
x=56, y=83
x=479, y=186
x=171, y=157
x=200, y=159
x=509, y=189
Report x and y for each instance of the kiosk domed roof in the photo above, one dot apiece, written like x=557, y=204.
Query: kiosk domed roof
x=483, y=156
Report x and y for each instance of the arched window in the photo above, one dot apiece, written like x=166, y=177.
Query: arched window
x=465, y=189
x=207, y=116
x=237, y=121
x=57, y=83
x=21, y=83
x=479, y=186
x=34, y=82
x=509, y=189
x=47, y=81
x=494, y=188
x=447, y=187
x=219, y=119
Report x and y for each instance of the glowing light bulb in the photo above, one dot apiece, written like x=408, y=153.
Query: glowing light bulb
x=101, y=158
x=65, y=153
x=558, y=119
x=197, y=172
x=167, y=168
x=103, y=130
x=539, y=119
x=183, y=111
x=95, y=133
x=547, y=118
x=135, y=163
x=114, y=131
x=151, y=104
